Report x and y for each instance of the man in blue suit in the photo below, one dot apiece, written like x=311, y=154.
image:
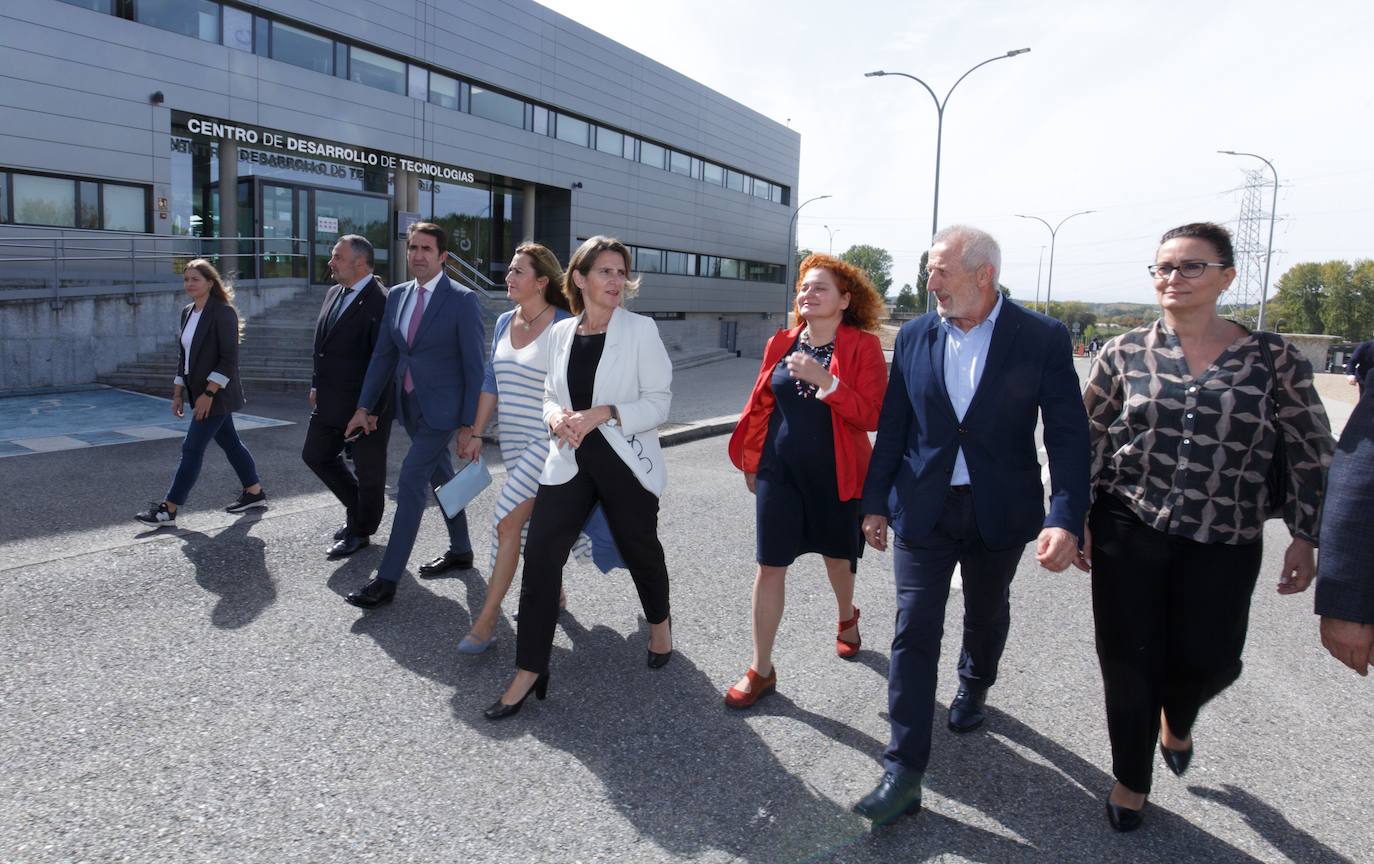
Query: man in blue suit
x=955, y=471
x=431, y=345
x=1345, y=571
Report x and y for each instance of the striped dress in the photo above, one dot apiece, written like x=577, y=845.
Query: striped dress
x=519, y=376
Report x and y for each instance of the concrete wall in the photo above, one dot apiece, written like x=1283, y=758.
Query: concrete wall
x=88, y=336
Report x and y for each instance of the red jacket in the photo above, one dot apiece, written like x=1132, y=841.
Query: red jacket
x=859, y=366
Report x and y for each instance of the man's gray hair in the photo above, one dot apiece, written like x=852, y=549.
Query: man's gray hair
x=361, y=246
x=978, y=246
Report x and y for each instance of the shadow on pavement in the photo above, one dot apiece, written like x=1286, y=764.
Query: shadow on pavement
x=1269, y=823
x=233, y=565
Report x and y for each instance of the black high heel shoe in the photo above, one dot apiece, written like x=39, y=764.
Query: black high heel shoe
x=658, y=661
x=499, y=710
x=1177, y=760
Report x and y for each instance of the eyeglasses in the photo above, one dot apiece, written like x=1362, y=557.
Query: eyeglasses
x=1190, y=270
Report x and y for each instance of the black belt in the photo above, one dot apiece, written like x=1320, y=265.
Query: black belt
x=961, y=490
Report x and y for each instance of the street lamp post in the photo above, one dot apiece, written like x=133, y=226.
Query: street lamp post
x=1054, y=230
x=1273, y=214
x=1038, y=268
x=940, y=128
x=832, y=232
x=791, y=258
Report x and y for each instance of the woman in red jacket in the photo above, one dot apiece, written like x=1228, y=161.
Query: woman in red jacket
x=802, y=443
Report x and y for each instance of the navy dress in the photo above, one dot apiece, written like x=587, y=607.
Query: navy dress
x=797, y=498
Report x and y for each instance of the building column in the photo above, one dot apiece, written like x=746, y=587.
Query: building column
x=527, y=229
x=401, y=203
x=229, y=244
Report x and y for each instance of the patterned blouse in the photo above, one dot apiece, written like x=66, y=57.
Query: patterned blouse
x=1189, y=455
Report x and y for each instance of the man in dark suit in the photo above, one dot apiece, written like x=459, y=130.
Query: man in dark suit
x=1360, y=362
x=956, y=471
x=431, y=346
x=1345, y=570
x=345, y=335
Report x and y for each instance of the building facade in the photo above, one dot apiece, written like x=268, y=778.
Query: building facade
x=291, y=122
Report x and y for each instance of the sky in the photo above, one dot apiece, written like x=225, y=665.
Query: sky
x=1119, y=108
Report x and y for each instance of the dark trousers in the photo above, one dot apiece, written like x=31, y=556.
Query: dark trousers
x=1170, y=616
x=220, y=429
x=364, y=494
x=923, y=569
x=559, y=514
x=427, y=464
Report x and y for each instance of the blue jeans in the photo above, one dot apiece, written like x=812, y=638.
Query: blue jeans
x=219, y=429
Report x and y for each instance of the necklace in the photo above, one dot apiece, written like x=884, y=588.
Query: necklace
x=588, y=330
x=526, y=324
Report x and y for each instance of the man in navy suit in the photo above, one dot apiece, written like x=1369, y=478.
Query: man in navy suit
x=955, y=471
x=1345, y=570
x=431, y=348
x=1360, y=362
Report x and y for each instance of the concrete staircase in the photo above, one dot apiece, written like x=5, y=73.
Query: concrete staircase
x=277, y=344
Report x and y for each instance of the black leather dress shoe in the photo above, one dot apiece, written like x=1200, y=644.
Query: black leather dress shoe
x=348, y=545
x=377, y=592
x=966, y=711
x=446, y=562
x=892, y=797
x=341, y=531
x=1124, y=819
x=1177, y=760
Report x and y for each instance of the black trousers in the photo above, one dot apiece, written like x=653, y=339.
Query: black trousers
x=364, y=494
x=1170, y=616
x=559, y=514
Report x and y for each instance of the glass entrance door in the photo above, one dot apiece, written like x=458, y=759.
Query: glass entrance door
x=282, y=220
x=340, y=213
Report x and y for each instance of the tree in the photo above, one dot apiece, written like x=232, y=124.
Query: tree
x=922, y=283
x=877, y=263
x=906, y=299
x=1348, y=309
x=1299, y=299
x=1073, y=312
x=1006, y=292
x=802, y=255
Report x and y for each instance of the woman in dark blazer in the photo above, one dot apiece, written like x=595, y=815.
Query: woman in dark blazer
x=802, y=443
x=608, y=389
x=207, y=374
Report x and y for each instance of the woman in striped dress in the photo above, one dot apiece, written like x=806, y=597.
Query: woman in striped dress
x=513, y=390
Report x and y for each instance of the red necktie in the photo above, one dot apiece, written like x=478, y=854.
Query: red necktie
x=412, y=329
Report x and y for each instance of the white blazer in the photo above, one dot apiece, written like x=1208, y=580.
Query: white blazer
x=635, y=375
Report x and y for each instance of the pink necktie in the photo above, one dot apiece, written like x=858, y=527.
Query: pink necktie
x=412, y=329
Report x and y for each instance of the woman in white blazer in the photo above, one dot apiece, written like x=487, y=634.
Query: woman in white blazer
x=607, y=391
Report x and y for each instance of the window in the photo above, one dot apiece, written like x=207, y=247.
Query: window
x=443, y=91
x=648, y=260
x=734, y=180
x=262, y=36
x=696, y=168
x=679, y=163
x=195, y=18
x=777, y=197
x=676, y=262
x=4, y=198
x=418, y=83
x=93, y=5
x=652, y=154
x=341, y=59
x=760, y=188
x=498, y=107
x=609, y=141
x=375, y=70
x=572, y=130
x=540, y=122
x=238, y=29
x=713, y=173
x=708, y=265
x=124, y=208
x=87, y=204
x=630, y=144
x=44, y=201
x=299, y=48
x=729, y=268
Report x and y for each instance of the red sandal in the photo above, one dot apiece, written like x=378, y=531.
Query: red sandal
x=759, y=687
x=845, y=649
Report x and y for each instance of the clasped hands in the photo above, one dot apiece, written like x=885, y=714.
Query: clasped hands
x=571, y=427
x=807, y=369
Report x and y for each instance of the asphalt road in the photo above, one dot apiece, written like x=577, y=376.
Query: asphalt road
x=206, y=695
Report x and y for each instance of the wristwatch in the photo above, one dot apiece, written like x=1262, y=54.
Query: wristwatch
x=615, y=416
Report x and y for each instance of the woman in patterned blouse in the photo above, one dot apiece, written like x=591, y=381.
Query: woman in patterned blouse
x=1181, y=426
